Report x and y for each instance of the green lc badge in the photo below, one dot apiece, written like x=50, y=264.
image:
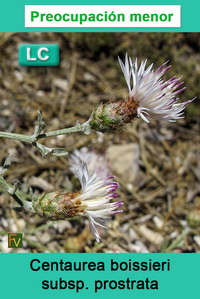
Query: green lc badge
x=39, y=54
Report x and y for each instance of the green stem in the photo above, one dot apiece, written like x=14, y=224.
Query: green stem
x=84, y=128
x=79, y=128
x=31, y=139
x=12, y=191
x=20, y=137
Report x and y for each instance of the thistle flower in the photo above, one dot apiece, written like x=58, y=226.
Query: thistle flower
x=150, y=97
x=155, y=97
x=98, y=189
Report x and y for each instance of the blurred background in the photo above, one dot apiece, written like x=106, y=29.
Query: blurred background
x=156, y=164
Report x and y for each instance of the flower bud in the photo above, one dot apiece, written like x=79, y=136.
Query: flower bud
x=149, y=97
x=59, y=205
x=96, y=200
x=111, y=116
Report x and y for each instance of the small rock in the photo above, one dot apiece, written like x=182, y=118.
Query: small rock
x=158, y=222
x=124, y=160
x=89, y=77
x=197, y=240
x=44, y=238
x=62, y=226
x=138, y=247
x=61, y=83
x=4, y=244
x=150, y=235
x=133, y=235
x=174, y=234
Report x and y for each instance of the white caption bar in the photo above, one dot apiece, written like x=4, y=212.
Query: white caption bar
x=101, y=16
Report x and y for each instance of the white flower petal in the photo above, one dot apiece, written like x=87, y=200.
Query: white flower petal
x=98, y=188
x=151, y=92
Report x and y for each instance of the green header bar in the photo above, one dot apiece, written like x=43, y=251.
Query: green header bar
x=12, y=16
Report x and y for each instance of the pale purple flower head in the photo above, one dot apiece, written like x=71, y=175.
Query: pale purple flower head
x=156, y=98
x=98, y=189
